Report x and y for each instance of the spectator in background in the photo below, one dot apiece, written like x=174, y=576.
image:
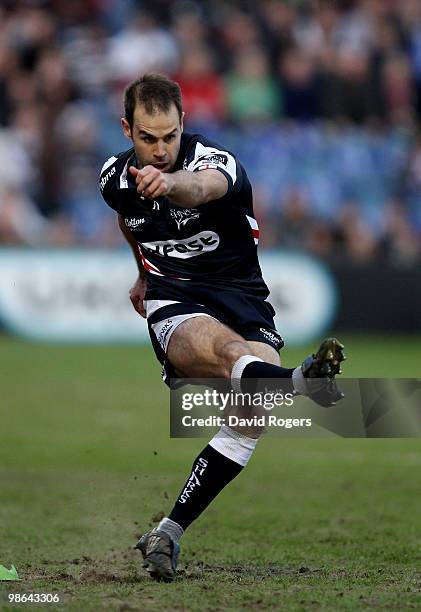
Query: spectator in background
x=348, y=91
x=353, y=237
x=143, y=47
x=251, y=90
x=294, y=218
x=188, y=26
x=56, y=89
x=298, y=85
x=313, y=30
x=38, y=87
x=25, y=129
x=413, y=20
x=388, y=41
x=397, y=89
x=203, y=88
x=252, y=63
x=413, y=186
x=75, y=12
x=400, y=244
x=353, y=30
x=77, y=133
x=20, y=222
x=277, y=21
x=85, y=53
x=238, y=31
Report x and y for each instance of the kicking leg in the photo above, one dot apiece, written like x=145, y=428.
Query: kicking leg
x=202, y=347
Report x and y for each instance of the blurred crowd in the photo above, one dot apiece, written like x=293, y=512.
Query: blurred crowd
x=321, y=101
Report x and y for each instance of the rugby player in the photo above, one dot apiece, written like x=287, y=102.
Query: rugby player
x=185, y=206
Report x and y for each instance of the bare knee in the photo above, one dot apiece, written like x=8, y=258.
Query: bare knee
x=229, y=351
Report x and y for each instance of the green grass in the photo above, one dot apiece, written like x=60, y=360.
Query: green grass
x=86, y=462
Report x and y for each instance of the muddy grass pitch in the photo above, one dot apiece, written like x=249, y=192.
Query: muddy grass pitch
x=86, y=465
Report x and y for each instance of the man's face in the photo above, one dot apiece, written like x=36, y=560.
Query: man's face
x=156, y=138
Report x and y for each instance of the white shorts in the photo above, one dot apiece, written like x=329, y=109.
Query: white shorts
x=164, y=329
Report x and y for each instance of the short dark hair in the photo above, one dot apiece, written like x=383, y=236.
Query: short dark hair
x=155, y=92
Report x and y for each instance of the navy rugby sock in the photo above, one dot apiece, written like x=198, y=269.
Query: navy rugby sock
x=258, y=372
x=261, y=369
x=215, y=467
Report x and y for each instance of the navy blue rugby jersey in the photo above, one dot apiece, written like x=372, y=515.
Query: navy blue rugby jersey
x=213, y=244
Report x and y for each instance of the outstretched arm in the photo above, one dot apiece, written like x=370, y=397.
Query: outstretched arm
x=186, y=189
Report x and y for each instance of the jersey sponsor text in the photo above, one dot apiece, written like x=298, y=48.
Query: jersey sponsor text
x=204, y=242
x=106, y=177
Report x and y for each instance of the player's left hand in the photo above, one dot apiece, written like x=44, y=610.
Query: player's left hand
x=151, y=182
x=137, y=295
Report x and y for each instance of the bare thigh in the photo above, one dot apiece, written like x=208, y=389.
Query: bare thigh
x=203, y=347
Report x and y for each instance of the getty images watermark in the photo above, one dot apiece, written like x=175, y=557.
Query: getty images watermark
x=254, y=405
x=371, y=408
x=211, y=404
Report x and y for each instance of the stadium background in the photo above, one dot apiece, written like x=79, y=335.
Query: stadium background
x=321, y=101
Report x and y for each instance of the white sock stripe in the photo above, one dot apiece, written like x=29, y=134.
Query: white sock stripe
x=238, y=369
x=233, y=445
x=228, y=432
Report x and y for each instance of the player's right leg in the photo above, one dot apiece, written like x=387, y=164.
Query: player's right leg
x=205, y=348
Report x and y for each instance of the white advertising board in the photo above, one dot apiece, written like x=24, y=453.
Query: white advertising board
x=82, y=295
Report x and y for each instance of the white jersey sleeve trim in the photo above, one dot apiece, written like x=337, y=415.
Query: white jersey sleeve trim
x=254, y=228
x=108, y=163
x=206, y=158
